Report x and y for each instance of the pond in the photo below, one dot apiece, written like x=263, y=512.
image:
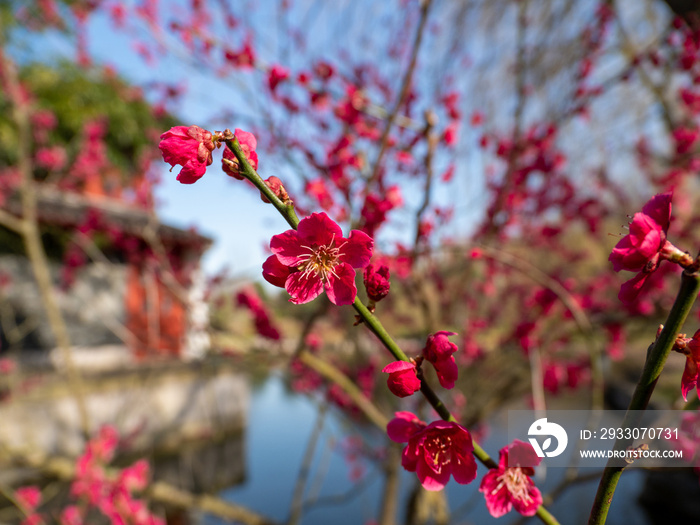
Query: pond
x=280, y=425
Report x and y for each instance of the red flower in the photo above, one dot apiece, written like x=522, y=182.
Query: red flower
x=643, y=249
x=377, y=283
x=190, y=148
x=275, y=75
x=692, y=366
x=315, y=257
x=402, y=378
x=510, y=485
x=248, y=144
x=438, y=351
x=263, y=324
x=29, y=496
x=646, y=238
x=435, y=451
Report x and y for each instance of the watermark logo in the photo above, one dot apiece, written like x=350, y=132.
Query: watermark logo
x=542, y=427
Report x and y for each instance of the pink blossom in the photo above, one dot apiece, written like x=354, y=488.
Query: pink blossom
x=243, y=58
x=190, y=148
x=689, y=380
x=71, y=515
x=317, y=257
x=643, y=249
x=451, y=131
x=438, y=351
x=29, y=496
x=7, y=365
x=134, y=477
x=276, y=186
x=318, y=189
x=510, y=484
x=276, y=75
x=402, y=379
x=324, y=70
x=248, y=144
x=263, y=324
x=377, y=282
x=44, y=119
x=435, y=451
x=52, y=159
x=33, y=519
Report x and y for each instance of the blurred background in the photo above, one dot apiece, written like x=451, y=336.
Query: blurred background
x=495, y=151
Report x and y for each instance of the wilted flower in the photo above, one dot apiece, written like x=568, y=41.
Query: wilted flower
x=316, y=257
x=190, y=148
x=248, y=143
x=435, y=451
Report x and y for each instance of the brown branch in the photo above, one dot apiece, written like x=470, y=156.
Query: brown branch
x=369, y=409
x=688, y=10
x=520, y=93
x=580, y=318
x=403, y=92
x=298, y=494
x=64, y=469
x=32, y=236
x=11, y=222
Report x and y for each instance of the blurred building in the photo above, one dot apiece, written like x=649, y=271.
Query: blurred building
x=124, y=280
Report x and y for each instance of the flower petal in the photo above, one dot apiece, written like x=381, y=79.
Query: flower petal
x=659, y=209
x=402, y=381
x=288, y=248
x=274, y=272
x=398, y=366
x=303, y=287
x=646, y=235
x=625, y=256
x=689, y=379
x=409, y=457
x=357, y=251
x=320, y=230
x=629, y=291
x=430, y=479
x=191, y=172
x=404, y=426
x=498, y=500
x=245, y=138
x=520, y=454
x=447, y=372
x=528, y=507
x=463, y=468
x=340, y=287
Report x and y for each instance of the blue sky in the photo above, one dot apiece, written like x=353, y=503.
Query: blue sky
x=218, y=206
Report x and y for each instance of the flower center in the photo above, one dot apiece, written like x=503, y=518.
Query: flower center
x=320, y=261
x=516, y=482
x=440, y=450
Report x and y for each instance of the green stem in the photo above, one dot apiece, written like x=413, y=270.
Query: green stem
x=368, y=318
x=378, y=329
x=656, y=359
x=287, y=210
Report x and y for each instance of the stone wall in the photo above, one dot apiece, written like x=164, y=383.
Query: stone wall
x=93, y=307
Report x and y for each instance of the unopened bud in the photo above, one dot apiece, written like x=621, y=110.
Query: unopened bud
x=277, y=188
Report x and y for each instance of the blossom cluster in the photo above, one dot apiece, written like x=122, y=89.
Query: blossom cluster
x=191, y=147
x=315, y=257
